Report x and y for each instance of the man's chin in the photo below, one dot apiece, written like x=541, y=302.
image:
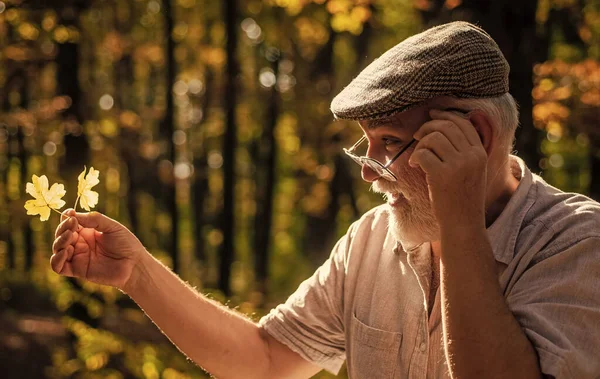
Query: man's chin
x=410, y=229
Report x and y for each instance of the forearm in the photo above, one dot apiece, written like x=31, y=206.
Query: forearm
x=482, y=338
x=216, y=338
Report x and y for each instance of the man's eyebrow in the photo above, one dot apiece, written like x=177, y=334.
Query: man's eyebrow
x=374, y=124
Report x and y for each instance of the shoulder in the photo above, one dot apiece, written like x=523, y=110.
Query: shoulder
x=564, y=211
x=374, y=219
x=368, y=233
x=566, y=218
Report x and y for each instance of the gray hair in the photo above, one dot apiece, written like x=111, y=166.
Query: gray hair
x=503, y=112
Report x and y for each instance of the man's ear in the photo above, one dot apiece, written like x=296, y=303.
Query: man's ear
x=485, y=129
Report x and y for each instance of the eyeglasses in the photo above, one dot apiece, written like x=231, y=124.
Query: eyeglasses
x=381, y=169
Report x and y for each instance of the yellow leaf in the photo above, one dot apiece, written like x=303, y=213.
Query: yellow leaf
x=88, y=198
x=45, y=199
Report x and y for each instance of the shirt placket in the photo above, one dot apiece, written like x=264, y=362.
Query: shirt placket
x=420, y=262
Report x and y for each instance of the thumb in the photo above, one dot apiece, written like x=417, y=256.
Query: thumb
x=97, y=221
x=67, y=213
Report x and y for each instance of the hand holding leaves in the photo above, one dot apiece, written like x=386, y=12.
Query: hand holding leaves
x=46, y=200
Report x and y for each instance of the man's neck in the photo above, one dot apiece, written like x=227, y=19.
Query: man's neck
x=500, y=190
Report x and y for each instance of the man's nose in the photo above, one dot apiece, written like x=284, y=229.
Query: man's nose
x=368, y=174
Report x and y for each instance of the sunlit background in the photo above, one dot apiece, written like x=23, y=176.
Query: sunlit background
x=209, y=123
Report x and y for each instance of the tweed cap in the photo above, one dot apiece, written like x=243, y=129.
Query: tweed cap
x=456, y=59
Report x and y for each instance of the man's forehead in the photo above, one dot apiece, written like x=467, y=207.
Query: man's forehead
x=374, y=124
x=401, y=119
x=416, y=114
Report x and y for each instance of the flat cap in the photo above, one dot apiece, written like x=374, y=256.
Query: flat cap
x=456, y=59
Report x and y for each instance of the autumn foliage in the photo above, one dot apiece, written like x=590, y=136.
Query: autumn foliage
x=145, y=97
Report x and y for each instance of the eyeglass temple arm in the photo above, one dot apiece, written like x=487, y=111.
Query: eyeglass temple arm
x=357, y=143
x=389, y=163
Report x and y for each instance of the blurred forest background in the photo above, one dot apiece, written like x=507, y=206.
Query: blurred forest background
x=209, y=123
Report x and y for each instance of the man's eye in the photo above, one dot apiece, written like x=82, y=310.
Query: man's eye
x=391, y=142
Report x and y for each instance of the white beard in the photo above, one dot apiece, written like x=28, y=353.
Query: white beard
x=412, y=221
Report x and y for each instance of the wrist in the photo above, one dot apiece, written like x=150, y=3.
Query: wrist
x=466, y=212
x=462, y=223
x=139, y=274
x=468, y=232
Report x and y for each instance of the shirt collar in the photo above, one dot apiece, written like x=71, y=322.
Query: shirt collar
x=504, y=230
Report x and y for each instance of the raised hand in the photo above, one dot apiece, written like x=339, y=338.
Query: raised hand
x=95, y=247
x=454, y=159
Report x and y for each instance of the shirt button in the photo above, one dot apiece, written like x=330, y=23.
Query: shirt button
x=422, y=346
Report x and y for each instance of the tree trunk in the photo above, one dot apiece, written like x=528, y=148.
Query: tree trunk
x=321, y=227
x=199, y=193
x=77, y=151
x=229, y=147
x=265, y=188
x=16, y=149
x=7, y=229
x=168, y=127
x=132, y=206
x=595, y=174
x=129, y=138
x=23, y=83
x=200, y=181
x=23, y=157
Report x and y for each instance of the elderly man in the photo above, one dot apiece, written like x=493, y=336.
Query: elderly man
x=475, y=267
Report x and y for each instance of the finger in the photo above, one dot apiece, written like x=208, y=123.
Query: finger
x=59, y=263
x=449, y=129
x=70, y=252
x=67, y=213
x=67, y=224
x=461, y=121
x=62, y=241
x=439, y=145
x=97, y=221
x=427, y=160
x=74, y=238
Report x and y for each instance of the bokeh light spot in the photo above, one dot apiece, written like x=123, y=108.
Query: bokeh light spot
x=215, y=159
x=106, y=102
x=183, y=170
x=49, y=148
x=556, y=160
x=179, y=137
x=153, y=7
x=195, y=86
x=267, y=78
x=180, y=88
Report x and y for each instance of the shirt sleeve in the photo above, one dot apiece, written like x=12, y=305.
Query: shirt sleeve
x=557, y=303
x=310, y=322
